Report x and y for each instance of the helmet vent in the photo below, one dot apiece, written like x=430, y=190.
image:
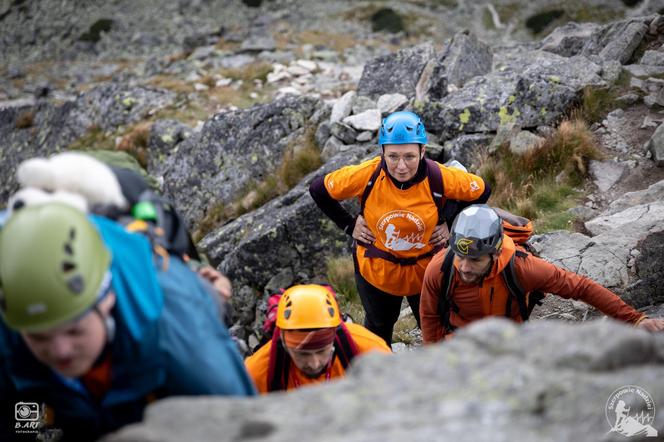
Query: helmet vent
x=68, y=266
x=76, y=284
x=287, y=313
x=72, y=234
x=330, y=310
x=68, y=250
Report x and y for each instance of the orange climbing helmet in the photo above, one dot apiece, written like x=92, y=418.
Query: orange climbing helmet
x=307, y=307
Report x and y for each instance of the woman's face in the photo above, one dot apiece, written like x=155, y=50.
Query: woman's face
x=402, y=160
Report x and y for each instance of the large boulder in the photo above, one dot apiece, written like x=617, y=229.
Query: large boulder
x=614, y=41
x=289, y=232
x=527, y=88
x=624, y=253
x=464, y=58
x=395, y=73
x=545, y=381
x=233, y=150
x=46, y=128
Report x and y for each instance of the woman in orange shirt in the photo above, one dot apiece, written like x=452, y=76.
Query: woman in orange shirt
x=400, y=228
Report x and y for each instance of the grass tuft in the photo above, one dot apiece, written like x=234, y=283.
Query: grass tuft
x=540, y=184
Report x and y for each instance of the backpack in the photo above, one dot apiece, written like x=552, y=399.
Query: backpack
x=518, y=228
x=162, y=223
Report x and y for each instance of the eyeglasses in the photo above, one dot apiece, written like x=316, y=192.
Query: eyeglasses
x=408, y=159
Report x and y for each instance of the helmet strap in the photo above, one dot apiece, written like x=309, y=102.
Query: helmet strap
x=109, y=324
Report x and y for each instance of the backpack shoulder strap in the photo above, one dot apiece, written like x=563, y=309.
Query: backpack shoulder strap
x=344, y=346
x=526, y=305
x=277, y=373
x=445, y=304
x=370, y=185
x=436, y=185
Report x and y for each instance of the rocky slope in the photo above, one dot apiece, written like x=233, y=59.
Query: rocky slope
x=213, y=98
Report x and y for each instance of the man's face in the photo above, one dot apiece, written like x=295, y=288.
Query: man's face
x=312, y=362
x=402, y=160
x=472, y=270
x=71, y=349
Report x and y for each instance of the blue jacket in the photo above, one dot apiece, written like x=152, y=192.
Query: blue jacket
x=169, y=341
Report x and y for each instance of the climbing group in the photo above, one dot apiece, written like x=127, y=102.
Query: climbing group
x=106, y=305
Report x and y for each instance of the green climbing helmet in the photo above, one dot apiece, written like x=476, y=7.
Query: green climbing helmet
x=53, y=267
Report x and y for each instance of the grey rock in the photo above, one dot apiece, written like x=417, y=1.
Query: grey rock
x=611, y=71
x=235, y=61
x=649, y=287
x=624, y=39
x=395, y=73
x=656, y=146
x=332, y=146
x=232, y=150
x=644, y=70
x=323, y=133
x=165, y=135
x=653, y=193
x=570, y=39
x=464, y=58
x=467, y=149
x=525, y=141
x=655, y=58
x=528, y=88
x=364, y=137
x=203, y=52
x=368, y=120
x=389, y=103
x=546, y=381
x=583, y=213
x=343, y=132
x=259, y=42
x=606, y=173
x=628, y=99
x=342, y=107
x=643, y=214
x=362, y=104
x=54, y=127
x=291, y=224
x=282, y=280
x=243, y=303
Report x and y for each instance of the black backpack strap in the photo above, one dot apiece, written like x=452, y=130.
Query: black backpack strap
x=279, y=363
x=445, y=303
x=344, y=347
x=517, y=292
x=370, y=184
x=437, y=190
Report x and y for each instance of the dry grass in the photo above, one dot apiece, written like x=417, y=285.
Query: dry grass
x=341, y=276
x=542, y=181
x=135, y=142
x=25, y=119
x=171, y=83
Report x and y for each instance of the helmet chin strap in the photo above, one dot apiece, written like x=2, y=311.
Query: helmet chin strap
x=109, y=324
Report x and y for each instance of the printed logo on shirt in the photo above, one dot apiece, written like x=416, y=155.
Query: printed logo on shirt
x=401, y=230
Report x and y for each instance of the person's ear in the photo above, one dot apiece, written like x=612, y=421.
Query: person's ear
x=422, y=150
x=106, y=305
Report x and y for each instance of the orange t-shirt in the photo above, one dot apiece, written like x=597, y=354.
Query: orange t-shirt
x=401, y=220
x=258, y=363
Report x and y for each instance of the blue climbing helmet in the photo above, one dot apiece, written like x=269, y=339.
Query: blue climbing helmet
x=402, y=127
